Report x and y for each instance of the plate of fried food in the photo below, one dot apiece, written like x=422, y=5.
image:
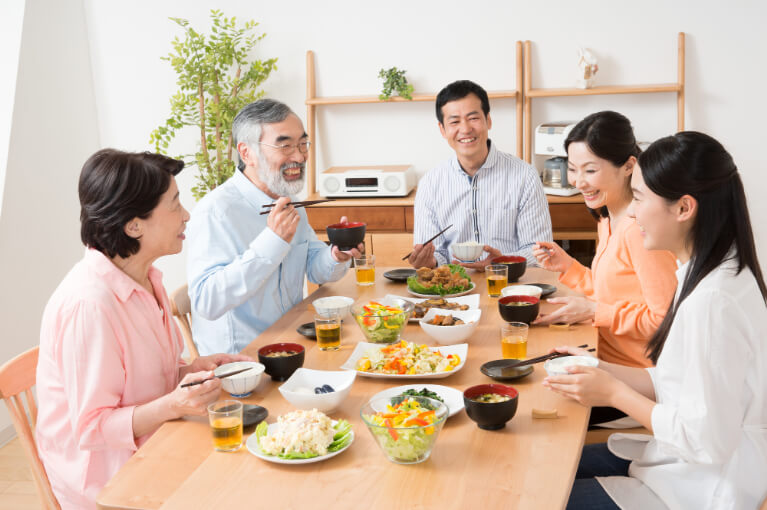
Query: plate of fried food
x=449, y=280
x=423, y=305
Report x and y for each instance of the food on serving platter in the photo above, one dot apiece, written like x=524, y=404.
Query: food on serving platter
x=446, y=320
x=325, y=388
x=407, y=431
x=491, y=398
x=303, y=435
x=442, y=303
x=406, y=358
x=280, y=354
x=447, y=279
x=544, y=414
x=415, y=393
x=380, y=323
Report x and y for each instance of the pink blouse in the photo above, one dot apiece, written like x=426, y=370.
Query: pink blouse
x=105, y=347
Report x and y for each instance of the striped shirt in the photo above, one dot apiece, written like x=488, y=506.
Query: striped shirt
x=502, y=205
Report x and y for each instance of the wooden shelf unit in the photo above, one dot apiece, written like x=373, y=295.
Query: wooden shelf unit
x=312, y=102
x=529, y=92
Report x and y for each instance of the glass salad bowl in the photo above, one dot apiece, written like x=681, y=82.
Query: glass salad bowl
x=406, y=432
x=381, y=323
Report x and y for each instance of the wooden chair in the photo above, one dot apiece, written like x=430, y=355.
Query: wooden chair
x=17, y=376
x=181, y=307
x=601, y=435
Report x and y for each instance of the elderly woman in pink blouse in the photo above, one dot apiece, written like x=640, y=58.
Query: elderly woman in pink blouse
x=110, y=366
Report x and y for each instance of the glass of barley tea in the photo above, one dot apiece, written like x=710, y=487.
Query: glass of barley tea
x=226, y=423
x=365, y=269
x=514, y=340
x=497, y=278
x=328, y=330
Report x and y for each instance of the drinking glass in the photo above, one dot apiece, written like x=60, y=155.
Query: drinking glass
x=497, y=279
x=514, y=340
x=226, y=423
x=365, y=269
x=328, y=329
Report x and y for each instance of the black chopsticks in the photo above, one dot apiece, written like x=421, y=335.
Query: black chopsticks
x=430, y=240
x=216, y=377
x=545, y=357
x=306, y=203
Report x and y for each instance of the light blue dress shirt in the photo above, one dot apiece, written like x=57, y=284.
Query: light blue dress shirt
x=502, y=205
x=242, y=276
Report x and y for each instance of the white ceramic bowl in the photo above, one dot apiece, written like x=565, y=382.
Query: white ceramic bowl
x=299, y=389
x=467, y=251
x=333, y=304
x=558, y=366
x=449, y=335
x=522, y=290
x=240, y=385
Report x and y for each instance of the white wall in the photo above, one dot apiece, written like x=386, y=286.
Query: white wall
x=11, y=18
x=53, y=131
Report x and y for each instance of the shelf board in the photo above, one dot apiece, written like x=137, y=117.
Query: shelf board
x=499, y=94
x=605, y=90
x=575, y=235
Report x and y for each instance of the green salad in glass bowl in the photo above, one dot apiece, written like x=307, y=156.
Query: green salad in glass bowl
x=381, y=324
x=407, y=431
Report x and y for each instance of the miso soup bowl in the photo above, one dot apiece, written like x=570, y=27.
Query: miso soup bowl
x=282, y=367
x=516, y=264
x=519, y=308
x=491, y=415
x=346, y=235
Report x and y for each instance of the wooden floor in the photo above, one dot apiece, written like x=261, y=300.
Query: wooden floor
x=17, y=490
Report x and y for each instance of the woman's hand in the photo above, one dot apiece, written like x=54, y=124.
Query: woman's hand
x=480, y=264
x=209, y=363
x=552, y=257
x=576, y=309
x=573, y=351
x=591, y=386
x=194, y=400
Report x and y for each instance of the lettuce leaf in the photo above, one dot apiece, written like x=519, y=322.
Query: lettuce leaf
x=412, y=283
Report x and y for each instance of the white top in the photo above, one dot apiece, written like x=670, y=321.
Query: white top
x=502, y=205
x=709, y=449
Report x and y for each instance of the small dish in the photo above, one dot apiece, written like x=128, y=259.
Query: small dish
x=558, y=366
x=449, y=335
x=253, y=415
x=399, y=275
x=307, y=330
x=339, y=305
x=299, y=390
x=497, y=369
x=522, y=290
x=546, y=289
x=242, y=384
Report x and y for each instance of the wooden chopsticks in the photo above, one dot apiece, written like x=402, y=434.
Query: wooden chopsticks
x=306, y=203
x=430, y=240
x=545, y=357
x=216, y=377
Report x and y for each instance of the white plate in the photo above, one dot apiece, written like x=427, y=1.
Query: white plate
x=460, y=349
x=253, y=447
x=472, y=301
x=470, y=289
x=453, y=398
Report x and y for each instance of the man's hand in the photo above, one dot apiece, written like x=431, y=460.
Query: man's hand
x=283, y=220
x=423, y=256
x=480, y=264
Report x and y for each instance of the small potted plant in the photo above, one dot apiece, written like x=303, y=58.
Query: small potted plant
x=394, y=81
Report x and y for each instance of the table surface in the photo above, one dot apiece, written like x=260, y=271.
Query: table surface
x=528, y=464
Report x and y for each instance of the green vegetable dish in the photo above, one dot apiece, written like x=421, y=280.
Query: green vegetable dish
x=416, y=393
x=447, y=279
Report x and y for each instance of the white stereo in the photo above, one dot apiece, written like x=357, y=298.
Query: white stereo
x=367, y=181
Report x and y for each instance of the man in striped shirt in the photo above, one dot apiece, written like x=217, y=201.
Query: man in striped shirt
x=489, y=196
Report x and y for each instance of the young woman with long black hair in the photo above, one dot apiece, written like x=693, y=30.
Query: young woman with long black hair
x=706, y=399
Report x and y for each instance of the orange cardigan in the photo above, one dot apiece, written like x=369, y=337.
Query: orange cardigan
x=633, y=288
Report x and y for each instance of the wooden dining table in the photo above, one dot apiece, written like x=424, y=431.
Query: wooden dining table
x=530, y=463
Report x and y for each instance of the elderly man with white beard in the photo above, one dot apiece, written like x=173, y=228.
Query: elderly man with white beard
x=245, y=270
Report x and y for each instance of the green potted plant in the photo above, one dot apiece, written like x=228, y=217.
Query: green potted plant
x=394, y=81
x=216, y=79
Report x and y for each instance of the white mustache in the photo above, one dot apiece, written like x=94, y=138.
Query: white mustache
x=288, y=166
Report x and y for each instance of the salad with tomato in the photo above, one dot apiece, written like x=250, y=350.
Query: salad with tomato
x=407, y=358
x=381, y=324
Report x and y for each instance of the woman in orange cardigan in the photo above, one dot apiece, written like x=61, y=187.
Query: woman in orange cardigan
x=628, y=288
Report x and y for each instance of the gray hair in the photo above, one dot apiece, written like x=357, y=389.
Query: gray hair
x=248, y=124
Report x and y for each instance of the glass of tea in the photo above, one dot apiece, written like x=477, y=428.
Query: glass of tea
x=514, y=340
x=497, y=278
x=365, y=269
x=226, y=422
x=328, y=329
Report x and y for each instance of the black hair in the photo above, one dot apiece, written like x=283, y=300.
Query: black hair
x=692, y=163
x=458, y=90
x=609, y=136
x=114, y=188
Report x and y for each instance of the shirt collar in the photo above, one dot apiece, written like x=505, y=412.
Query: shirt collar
x=121, y=284
x=490, y=160
x=250, y=191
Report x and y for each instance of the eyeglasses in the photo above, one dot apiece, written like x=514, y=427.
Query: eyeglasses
x=303, y=147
